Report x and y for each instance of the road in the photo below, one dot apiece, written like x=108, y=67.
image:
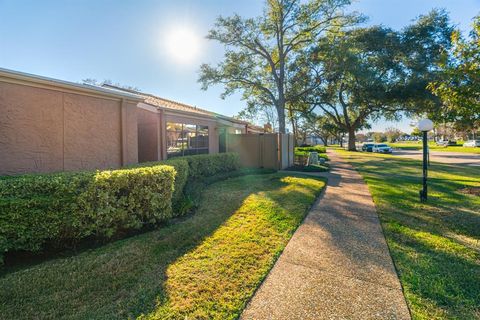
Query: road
x=466, y=159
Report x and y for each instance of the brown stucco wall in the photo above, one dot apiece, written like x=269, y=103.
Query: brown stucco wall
x=47, y=129
x=92, y=133
x=30, y=139
x=132, y=133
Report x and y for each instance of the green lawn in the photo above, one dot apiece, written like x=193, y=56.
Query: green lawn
x=435, y=246
x=433, y=146
x=204, y=266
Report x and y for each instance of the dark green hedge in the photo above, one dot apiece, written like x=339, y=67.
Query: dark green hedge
x=206, y=165
x=181, y=167
x=67, y=207
x=197, y=167
x=72, y=206
x=319, y=149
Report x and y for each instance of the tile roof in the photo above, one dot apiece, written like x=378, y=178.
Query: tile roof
x=174, y=105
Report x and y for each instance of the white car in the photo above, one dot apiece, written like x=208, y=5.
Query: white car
x=472, y=143
x=382, y=148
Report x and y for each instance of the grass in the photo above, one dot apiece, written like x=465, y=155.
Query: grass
x=305, y=151
x=436, y=245
x=203, y=266
x=433, y=146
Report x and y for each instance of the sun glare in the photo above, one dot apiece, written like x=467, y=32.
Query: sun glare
x=182, y=44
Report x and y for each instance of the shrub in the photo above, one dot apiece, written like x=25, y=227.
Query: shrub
x=66, y=207
x=316, y=168
x=197, y=167
x=126, y=199
x=206, y=165
x=181, y=167
x=319, y=149
x=36, y=208
x=181, y=176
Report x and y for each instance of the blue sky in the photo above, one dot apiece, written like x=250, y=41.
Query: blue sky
x=124, y=41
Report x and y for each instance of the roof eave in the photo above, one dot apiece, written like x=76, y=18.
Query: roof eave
x=17, y=76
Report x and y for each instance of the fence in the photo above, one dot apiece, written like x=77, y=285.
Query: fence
x=269, y=150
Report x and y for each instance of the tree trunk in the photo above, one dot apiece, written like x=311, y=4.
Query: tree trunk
x=325, y=141
x=294, y=129
x=351, y=140
x=281, y=118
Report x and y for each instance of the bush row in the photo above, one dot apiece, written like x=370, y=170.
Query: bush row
x=319, y=149
x=66, y=207
x=197, y=167
x=202, y=166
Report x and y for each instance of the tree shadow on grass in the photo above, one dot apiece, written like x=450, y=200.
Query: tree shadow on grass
x=438, y=280
x=446, y=206
x=126, y=278
x=431, y=243
x=217, y=278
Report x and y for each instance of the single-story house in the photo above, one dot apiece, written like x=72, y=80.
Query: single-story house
x=50, y=125
x=169, y=129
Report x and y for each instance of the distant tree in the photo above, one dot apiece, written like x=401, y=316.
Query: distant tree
x=321, y=127
x=393, y=134
x=91, y=81
x=261, y=53
x=416, y=132
x=261, y=115
x=379, y=137
x=467, y=128
x=361, y=137
x=95, y=82
x=377, y=72
x=459, y=86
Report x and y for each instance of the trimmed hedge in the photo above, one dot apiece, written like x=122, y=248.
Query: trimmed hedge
x=66, y=207
x=319, y=149
x=197, y=167
x=206, y=165
x=181, y=167
x=71, y=206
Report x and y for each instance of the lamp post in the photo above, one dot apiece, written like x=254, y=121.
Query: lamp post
x=425, y=125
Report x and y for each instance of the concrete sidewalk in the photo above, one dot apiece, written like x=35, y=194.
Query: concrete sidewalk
x=337, y=264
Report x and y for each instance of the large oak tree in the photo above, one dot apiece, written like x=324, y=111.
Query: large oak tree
x=376, y=72
x=260, y=53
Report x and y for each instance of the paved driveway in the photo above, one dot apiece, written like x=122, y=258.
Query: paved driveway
x=467, y=159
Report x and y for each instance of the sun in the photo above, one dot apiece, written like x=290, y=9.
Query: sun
x=182, y=44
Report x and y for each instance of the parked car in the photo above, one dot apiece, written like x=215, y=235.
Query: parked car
x=472, y=143
x=446, y=143
x=382, y=148
x=368, y=147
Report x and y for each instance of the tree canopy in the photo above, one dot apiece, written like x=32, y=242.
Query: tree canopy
x=261, y=53
x=459, y=85
x=378, y=72
x=310, y=62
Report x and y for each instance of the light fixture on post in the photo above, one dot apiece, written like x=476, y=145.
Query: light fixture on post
x=425, y=125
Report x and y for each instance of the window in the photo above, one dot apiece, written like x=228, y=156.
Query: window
x=186, y=139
